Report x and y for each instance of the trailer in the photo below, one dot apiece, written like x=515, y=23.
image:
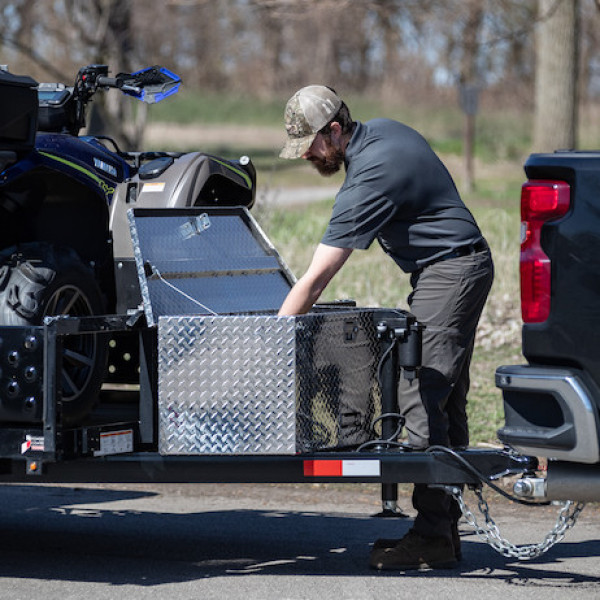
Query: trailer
x=226, y=390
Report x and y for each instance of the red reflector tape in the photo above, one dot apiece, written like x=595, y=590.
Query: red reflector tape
x=322, y=468
x=342, y=468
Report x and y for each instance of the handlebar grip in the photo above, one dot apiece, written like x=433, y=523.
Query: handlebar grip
x=108, y=82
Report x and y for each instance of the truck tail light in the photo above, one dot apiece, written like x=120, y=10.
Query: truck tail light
x=541, y=201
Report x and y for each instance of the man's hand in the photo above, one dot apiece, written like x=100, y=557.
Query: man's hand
x=326, y=262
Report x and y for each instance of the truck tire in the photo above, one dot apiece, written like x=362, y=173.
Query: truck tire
x=39, y=280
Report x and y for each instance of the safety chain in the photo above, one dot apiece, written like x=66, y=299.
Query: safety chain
x=489, y=533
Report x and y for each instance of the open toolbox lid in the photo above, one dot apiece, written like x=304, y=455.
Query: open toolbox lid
x=205, y=261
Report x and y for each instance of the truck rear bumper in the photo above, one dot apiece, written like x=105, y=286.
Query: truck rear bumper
x=549, y=412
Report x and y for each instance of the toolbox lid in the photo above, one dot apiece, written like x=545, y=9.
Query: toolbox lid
x=205, y=260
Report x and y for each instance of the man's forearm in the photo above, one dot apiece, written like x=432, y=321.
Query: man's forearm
x=300, y=299
x=326, y=262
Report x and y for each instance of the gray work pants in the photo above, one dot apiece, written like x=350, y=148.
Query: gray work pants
x=447, y=298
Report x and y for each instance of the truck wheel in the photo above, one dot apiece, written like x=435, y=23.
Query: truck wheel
x=39, y=280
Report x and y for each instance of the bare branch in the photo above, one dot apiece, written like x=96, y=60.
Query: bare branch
x=36, y=58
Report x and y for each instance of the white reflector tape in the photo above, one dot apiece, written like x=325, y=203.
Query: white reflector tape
x=342, y=468
x=361, y=468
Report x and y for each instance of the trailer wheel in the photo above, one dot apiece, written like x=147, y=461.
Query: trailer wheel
x=39, y=280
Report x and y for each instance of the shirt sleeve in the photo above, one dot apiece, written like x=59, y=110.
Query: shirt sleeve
x=358, y=215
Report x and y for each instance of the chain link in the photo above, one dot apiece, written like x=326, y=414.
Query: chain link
x=490, y=533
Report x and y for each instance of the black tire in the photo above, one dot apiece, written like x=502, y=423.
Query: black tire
x=39, y=280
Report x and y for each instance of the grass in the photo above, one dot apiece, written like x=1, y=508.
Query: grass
x=194, y=107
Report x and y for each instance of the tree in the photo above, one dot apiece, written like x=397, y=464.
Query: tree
x=109, y=41
x=469, y=81
x=556, y=88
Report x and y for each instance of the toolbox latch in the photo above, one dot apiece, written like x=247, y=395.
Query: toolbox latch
x=350, y=330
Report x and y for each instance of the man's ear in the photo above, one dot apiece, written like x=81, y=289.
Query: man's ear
x=335, y=131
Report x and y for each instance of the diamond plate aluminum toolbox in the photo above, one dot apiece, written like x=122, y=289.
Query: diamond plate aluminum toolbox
x=233, y=378
x=262, y=384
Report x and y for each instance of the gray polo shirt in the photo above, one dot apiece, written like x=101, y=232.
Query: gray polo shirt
x=398, y=191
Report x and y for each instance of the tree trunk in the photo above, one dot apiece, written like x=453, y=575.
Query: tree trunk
x=469, y=85
x=556, y=95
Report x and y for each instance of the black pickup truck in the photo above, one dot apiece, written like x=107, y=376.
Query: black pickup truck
x=552, y=403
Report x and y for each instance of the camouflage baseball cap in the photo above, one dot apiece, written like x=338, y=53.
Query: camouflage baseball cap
x=306, y=112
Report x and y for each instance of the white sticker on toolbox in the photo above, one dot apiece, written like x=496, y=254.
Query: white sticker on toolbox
x=115, y=442
x=155, y=186
x=361, y=468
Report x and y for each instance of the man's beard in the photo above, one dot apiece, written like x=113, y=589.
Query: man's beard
x=332, y=162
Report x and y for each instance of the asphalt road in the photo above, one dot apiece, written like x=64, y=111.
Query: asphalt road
x=261, y=542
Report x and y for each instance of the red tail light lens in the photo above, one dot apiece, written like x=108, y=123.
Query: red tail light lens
x=541, y=201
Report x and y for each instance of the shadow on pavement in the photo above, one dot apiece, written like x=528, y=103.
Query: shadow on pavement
x=52, y=533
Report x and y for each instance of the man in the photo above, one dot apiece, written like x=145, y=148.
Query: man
x=397, y=190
